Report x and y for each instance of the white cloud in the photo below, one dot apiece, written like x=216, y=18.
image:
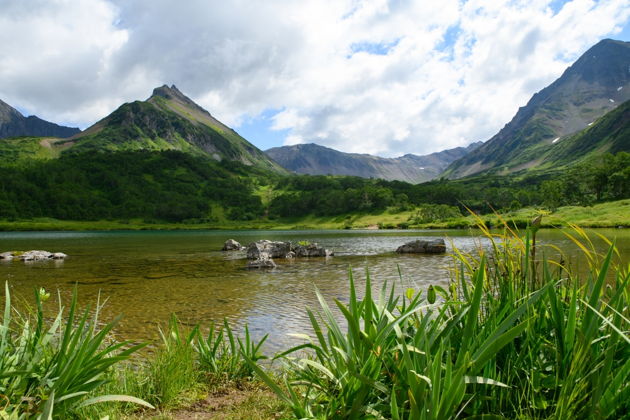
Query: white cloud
x=377, y=76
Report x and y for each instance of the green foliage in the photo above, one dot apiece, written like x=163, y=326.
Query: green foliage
x=183, y=366
x=21, y=149
x=221, y=353
x=429, y=213
x=169, y=186
x=513, y=337
x=172, y=372
x=176, y=187
x=51, y=368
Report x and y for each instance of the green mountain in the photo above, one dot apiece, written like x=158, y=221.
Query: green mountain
x=165, y=158
x=313, y=159
x=168, y=120
x=609, y=134
x=595, y=84
x=14, y=124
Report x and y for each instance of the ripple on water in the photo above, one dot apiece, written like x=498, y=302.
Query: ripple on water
x=147, y=276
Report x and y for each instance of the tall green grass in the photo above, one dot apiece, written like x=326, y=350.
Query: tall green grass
x=222, y=355
x=515, y=336
x=183, y=367
x=53, y=368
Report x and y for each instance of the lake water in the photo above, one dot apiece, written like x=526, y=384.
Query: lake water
x=148, y=275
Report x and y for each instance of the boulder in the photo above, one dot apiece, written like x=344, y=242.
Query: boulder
x=231, y=245
x=35, y=255
x=431, y=246
x=312, y=250
x=273, y=249
x=263, y=261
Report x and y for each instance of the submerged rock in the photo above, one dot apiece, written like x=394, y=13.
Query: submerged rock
x=263, y=261
x=431, y=246
x=231, y=245
x=312, y=250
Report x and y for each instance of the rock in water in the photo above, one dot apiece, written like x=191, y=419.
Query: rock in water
x=263, y=261
x=34, y=255
x=273, y=249
x=312, y=250
x=432, y=246
x=231, y=245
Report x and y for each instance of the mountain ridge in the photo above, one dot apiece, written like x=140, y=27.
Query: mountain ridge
x=14, y=124
x=314, y=159
x=595, y=84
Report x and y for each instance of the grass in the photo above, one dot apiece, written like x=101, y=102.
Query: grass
x=611, y=214
x=515, y=336
x=69, y=367
x=190, y=371
x=56, y=367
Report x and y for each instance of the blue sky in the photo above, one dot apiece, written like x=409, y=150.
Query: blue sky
x=385, y=77
x=259, y=129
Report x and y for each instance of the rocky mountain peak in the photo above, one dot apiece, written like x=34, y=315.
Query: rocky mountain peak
x=594, y=85
x=172, y=93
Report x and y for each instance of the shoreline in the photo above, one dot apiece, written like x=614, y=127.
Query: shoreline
x=613, y=215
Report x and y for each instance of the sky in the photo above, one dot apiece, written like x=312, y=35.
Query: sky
x=385, y=77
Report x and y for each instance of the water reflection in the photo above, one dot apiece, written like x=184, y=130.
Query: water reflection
x=149, y=275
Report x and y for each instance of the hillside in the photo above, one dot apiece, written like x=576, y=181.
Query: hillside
x=609, y=134
x=14, y=124
x=313, y=159
x=168, y=120
x=595, y=84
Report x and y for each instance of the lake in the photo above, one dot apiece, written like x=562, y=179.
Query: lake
x=148, y=275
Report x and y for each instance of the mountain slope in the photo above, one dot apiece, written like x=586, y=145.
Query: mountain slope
x=168, y=120
x=313, y=159
x=14, y=124
x=596, y=83
x=609, y=134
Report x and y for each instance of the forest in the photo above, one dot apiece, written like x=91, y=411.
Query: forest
x=178, y=187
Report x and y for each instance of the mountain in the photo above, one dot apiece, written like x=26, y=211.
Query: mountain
x=168, y=120
x=595, y=84
x=313, y=159
x=609, y=134
x=14, y=124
